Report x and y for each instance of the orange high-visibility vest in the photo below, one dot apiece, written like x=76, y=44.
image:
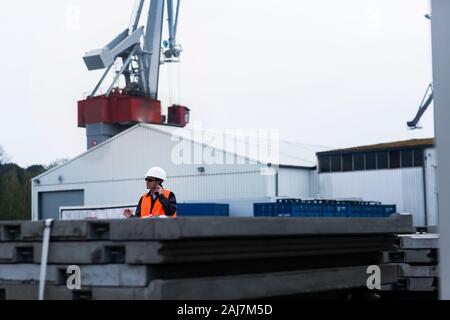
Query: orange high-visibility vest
x=158, y=209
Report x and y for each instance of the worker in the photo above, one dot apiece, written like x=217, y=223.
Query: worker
x=158, y=202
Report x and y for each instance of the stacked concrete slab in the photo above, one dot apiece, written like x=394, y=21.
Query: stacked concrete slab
x=417, y=261
x=198, y=258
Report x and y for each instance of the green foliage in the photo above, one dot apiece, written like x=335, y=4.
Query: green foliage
x=56, y=163
x=15, y=187
x=15, y=190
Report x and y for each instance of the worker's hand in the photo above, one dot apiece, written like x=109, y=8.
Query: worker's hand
x=127, y=213
x=158, y=190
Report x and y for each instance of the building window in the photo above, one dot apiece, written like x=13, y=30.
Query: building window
x=382, y=160
x=358, y=161
x=336, y=165
x=324, y=163
x=347, y=162
x=394, y=159
x=371, y=160
x=407, y=158
x=418, y=157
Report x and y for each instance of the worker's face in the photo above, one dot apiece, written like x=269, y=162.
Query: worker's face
x=152, y=182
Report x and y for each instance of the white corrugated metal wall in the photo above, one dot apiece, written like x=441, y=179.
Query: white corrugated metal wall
x=402, y=187
x=314, y=184
x=294, y=183
x=112, y=173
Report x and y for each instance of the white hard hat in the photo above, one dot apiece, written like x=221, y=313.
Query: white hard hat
x=157, y=172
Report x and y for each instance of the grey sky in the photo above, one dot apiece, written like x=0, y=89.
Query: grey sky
x=334, y=73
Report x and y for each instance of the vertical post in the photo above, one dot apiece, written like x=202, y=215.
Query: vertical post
x=440, y=24
x=44, y=257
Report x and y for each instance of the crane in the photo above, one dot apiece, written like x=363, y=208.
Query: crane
x=426, y=101
x=141, y=51
x=424, y=104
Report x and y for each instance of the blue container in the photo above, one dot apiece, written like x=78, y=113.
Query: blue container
x=284, y=209
x=322, y=208
x=264, y=209
x=300, y=210
x=381, y=212
x=373, y=209
x=328, y=208
x=281, y=208
x=364, y=210
x=354, y=209
x=313, y=208
x=342, y=208
x=268, y=209
x=203, y=209
x=387, y=210
x=370, y=209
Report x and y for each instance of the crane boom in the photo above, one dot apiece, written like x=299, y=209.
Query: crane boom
x=136, y=15
x=426, y=101
x=152, y=46
x=142, y=78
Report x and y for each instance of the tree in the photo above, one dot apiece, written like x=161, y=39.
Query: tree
x=56, y=163
x=15, y=187
x=4, y=158
x=15, y=191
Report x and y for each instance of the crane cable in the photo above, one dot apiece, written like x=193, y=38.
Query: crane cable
x=174, y=82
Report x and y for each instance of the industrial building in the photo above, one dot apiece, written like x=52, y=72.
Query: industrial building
x=401, y=173
x=112, y=173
